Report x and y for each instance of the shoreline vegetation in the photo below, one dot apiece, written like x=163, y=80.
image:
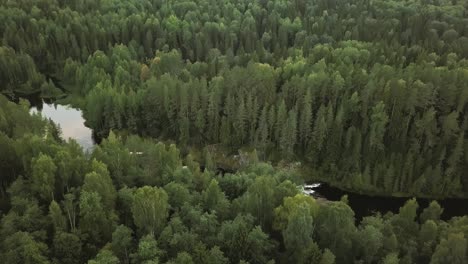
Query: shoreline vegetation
x=367, y=95
x=359, y=111
x=96, y=207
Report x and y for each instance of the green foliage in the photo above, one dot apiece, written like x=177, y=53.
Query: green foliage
x=327, y=257
x=335, y=228
x=43, y=177
x=363, y=123
x=178, y=195
x=291, y=206
x=391, y=258
x=22, y=248
x=147, y=251
x=122, y=243
x=450, y=250
x=150, y=209
x=56, y=216
x=214, y=199
x=99, y=181
x=95, y=221
x=67, y=248
x=255, y=215
x=104, y=257
x=298, y=234
x=432, y=212
x=240, y=240
x=370, y=94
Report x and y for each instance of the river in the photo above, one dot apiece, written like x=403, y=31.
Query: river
x=70, y=120
x=365, y=205
x=72, y=125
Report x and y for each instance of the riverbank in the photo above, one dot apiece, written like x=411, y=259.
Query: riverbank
x=311, y=175
x=225, y=160
x=365, y=205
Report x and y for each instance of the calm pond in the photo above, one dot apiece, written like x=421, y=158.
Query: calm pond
x=70, y=121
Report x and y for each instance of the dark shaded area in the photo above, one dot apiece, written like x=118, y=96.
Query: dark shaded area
x=56, y=81
x=219, y=170
x=35, y=99
x=365, y=205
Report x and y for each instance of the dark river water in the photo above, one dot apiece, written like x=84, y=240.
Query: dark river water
x=365, y=205
x=70, y=121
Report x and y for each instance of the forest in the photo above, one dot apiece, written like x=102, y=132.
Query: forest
x=367, y=95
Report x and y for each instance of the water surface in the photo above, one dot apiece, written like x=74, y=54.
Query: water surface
x=71, y=123
x=365, y=205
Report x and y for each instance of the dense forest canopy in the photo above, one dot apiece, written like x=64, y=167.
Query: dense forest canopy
x=61, y=205
x=369, y=95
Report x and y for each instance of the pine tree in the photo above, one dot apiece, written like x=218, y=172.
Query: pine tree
x=281, y=118
x=289, y=134
x=262, y=135
x=225, y=132
x=319, y=133
x=452, y=173
x=305, y=122
x=183, y=116
x=213, y=115
x=379, y=120
x=271, y=122
x=240, y=124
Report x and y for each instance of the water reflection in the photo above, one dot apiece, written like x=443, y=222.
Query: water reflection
x=70, y=121
x=365, y=205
